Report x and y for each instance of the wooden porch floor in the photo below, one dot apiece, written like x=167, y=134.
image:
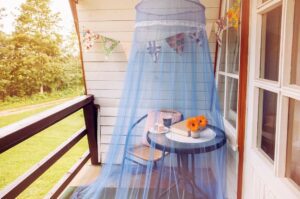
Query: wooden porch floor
x=86, y=175
x=89, y=173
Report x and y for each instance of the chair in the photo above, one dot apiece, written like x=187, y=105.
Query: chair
x=142, y=153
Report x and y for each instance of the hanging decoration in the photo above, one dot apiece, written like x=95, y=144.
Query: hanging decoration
x=109, y=45
x=154, y=50
x=89, y=39
x=176, y=42
x=231, y=19
x=220, y=27
x=197, y=37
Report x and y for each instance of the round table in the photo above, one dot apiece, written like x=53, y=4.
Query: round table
x=183, y=151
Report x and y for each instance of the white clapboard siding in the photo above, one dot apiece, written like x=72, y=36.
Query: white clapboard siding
x=116, y=15
x=105, y=75
x=105, y=66
x=127, y=4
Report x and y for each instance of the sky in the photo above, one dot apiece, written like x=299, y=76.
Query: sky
x=60, y=6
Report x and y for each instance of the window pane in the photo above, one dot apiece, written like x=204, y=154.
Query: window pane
x=270, y=46
x=267, y=109
x=293, y=150
x=233, y=55
x=222, y=54
x=221, y=90
x=231, y=100
x=295, y=73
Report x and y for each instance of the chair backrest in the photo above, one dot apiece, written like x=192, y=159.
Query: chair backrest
x=156, y=117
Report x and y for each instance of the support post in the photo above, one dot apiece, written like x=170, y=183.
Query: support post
x=90, y=116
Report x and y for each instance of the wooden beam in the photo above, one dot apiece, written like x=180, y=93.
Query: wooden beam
x=76, y=23
x=65, y=181
x=18, y=132
x=24, y=181
x=217, y=45
x=90, y=116
x=243, y=92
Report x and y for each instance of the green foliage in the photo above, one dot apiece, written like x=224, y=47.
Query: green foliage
x=33, y=58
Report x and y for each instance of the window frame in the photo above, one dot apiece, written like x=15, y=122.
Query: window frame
x=282, y=88
x=231, y=131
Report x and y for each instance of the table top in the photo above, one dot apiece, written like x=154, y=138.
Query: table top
x=161, y=142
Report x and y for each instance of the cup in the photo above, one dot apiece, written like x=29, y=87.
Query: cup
x=167, y=121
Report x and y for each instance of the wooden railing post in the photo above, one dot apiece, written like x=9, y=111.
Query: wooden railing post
x=90, y=117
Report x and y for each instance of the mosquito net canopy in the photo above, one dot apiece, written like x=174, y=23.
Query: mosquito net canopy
x=168, y=139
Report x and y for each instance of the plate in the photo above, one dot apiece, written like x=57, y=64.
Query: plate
x=205, y=136
x=165, y=130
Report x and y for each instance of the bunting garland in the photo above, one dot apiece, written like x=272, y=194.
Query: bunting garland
x=153, y=50
x=109, y=45
x=197, y=37
x=176, y=42
x=220, y=27
x=89, y=39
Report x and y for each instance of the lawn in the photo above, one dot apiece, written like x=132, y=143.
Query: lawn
x=16, y=102
x=19, y=159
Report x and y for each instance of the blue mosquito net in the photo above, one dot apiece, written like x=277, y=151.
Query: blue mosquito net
x=168, y=139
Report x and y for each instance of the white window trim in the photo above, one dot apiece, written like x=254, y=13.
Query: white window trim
x=231, y=131
x=282, y=88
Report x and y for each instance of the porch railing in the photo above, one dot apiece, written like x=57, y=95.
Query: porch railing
x=14, y=134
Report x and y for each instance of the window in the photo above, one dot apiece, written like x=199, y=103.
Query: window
x=231, y=106
x=295, y=71
x=276, y=90
x=269, y=70
x=221, y=90
x=270, y=44
x=233, y=55
x=293, y=145
x=228, y=72
x=222, y=61
x=267, y=108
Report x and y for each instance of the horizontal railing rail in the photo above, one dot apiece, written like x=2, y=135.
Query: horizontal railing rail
x=15, y=134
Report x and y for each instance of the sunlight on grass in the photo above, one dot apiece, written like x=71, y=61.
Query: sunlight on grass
x=19, y=159
x=10, y=119
x=15, y=102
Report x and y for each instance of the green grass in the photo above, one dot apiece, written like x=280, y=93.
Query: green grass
x=19, y=159
x=15, y=102
x=6, y=120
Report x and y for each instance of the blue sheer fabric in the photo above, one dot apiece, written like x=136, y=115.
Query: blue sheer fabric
x=170, y=71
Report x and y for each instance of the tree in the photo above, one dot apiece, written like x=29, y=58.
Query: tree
x=4, y=71
x=4, y=50
x=72, y=63
x=37, y=40
x=33, y=58
x=2, y=15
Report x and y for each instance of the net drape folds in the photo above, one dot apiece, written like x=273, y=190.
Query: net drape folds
x=169, y=78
